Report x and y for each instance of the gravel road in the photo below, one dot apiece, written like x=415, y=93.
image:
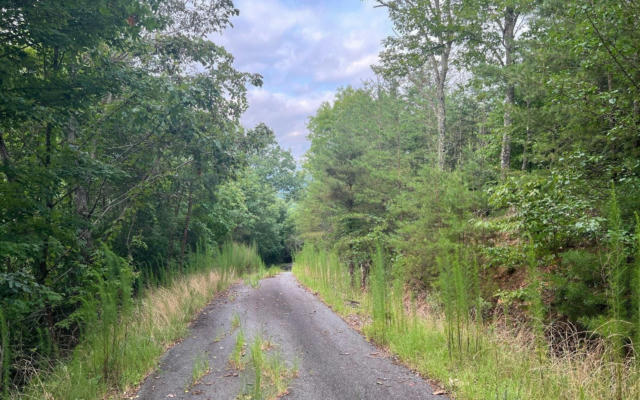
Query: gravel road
x=334, y=361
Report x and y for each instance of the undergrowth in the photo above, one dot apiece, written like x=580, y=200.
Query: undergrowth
x=471, y=358
x=124, y=337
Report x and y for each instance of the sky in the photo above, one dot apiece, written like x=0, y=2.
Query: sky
x=305, y=50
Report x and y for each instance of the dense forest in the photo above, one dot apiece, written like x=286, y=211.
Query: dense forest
x=121, y=145
x=490, y=173
x=495, y=163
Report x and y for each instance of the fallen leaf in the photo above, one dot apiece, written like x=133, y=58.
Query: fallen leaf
x=439, y=393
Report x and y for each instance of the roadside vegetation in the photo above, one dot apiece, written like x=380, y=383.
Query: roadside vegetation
x=476, y=204
x=123, y=160
x=445, y=338
x=117, y=350
x=477, y=201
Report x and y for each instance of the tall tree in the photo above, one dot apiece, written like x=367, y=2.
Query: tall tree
x=427, y=34
x=493, y=51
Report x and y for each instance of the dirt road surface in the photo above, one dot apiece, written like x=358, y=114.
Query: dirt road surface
x=333, y=360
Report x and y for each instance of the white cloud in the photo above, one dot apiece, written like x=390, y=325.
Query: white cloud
x=305, y=50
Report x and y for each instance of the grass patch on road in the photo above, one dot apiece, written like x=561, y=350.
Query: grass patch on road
x=117, y=353
x=201, y=367
x=487, y=362
x=271, y=374
x=237, y=361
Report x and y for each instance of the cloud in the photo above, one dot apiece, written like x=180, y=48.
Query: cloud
x=305, y=50
x=286, y=114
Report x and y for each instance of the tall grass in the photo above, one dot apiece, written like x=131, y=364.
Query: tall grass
x=536, y=305
x=379, y=298
x=504, y=363
x=324, y=272
x=124, y=338
x=257, y=361
x=636, y=286
x=271, y=373
x=4, y=356
x=616, y=263
x=457, y=289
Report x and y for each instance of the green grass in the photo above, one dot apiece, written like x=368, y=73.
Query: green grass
x=236, y=359
x=119, y=349
x=270, y=373
x=201, y=367
x=497, y=364
x=257, y=362
x=253, y=279
x=235, y=321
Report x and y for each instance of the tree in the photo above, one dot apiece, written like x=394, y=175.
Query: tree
x=428, y=33
x=493, y=50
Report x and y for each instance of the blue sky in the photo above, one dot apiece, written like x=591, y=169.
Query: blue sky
x=305, y=50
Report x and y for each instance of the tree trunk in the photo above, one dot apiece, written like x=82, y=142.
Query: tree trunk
x=510, y=18
x=351, y=273
x=527, y=142
x=183, y=244
x=364, y=267
x=6, y=161
x=187, y=221
x=441, y=117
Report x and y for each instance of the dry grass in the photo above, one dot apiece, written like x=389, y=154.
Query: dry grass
x=506, y=363
x=157, y=322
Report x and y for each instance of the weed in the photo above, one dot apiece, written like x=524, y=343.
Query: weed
x=271, y=375
x=507, y=364
x=125, y=338
x=537, y=311
x=615, y=260
x=237, y=355
x=636, y=288
x=200, y=368
x=379, y=296
x=235, y=321
x=4, y=356
x=257, y=361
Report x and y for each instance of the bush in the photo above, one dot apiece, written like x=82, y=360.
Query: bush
x=579, y=285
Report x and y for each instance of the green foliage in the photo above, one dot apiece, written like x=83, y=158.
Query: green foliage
x=109, y=138
x=200, y=368
x=426, y=168
x=257, y=361
x=536, y=303
x=636, y=287
x=496, y=365
x=580, y=286
x=123, y=338
x=615, y=264
x=435, y=213
x=379, y=296
x=5, y=356
x=550, y=209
